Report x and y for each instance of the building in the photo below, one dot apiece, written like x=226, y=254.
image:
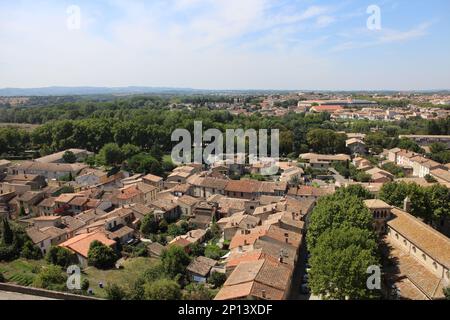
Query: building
x=200, y=268
x=356, y=146
x=422, y=255
x=80, y=155
x=381, y=212
x=48, y=170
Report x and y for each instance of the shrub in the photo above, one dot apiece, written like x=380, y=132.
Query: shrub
x=101, y=256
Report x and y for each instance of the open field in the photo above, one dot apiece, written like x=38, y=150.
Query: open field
x=23, y=272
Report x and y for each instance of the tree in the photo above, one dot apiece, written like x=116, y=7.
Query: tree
x=114, y=292
x=145, y=163
x=339, y=263
x=101, y=256
x=30, y=251
x=2, y=278
x=335, y=211
x=149, y=224
x=7, y=233
x=213, y=251
x=356, y=190
x=217, y=279
x=174, y=261
x=85, y=285
x=22, y=212
x=69, y=157
x=130, y=150
x=162, y=289
x=196, y=250
x=197, y=291
x=50, y=277
x=111, y=155
x=60, y=256
x=326, y=141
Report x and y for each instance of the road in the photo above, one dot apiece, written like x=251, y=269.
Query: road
x=5, y=295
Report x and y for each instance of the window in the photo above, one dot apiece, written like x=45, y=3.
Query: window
x=424, y=257
x=414, y=249
x=396, y=235
x=405, y=242
x=435, y=265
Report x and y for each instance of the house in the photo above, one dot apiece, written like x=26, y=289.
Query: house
x=243, y=189
x=247, y=237
x=91, y=177
x=326, y=108
x=167, y=209
x=46, y=237
x=21, y=183
x=257, y=280
x=263, y=212
x=237, y=222
x=155, y=249
x=80, y=244
x=310, y=192
x=135, y=193
x=441, y=175
x=4, y=164
x=48, y=170
x=204, y=213
x=356, y=146
x=380, y=176
x=199, y=269
x=57, y=157
x=29, y=201
x=421, y=254
x=204, y=187
x=155, y=181
x=187, y=205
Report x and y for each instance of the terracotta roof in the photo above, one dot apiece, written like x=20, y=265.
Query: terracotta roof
x=245, y=186
x=80, y=244
x=422, y=236
x=441, y=174
x=247, y=237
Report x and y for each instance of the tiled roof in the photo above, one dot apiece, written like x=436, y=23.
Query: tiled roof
x=422, y=236
x=80, y=244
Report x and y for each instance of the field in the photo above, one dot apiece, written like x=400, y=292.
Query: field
x=125, y=277
x=23, y=272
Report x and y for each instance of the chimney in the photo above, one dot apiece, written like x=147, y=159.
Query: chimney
x=245, y=242
x=407, y=205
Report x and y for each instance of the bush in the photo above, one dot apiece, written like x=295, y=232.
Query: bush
x=85, y=285
x=51, y=277
x=101, y=256
x=162, y=289
x=61, y=257
x=196, y=291
x=217, y=279
x=212, y=251
x=30, y=251
x=174, y=261
x=114, y=292
x=2, y=278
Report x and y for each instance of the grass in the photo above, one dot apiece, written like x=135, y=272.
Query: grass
x=21, y=271
x=168, y=158
x=125, y=277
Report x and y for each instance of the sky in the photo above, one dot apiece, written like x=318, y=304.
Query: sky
x=226, y=44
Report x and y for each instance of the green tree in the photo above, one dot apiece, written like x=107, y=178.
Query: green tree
x=196, y=291
x=30, y=251
x=50, y=277
x=2, y=278
x=162, y=289
x=7, y=233
x=339, y=264
x=60, y=256
x=326, y=141
x=217, y=279
x=101, y=256
x=130, y=150
x=335, y=211
x=356, y=190
x=111, y=155
x=174, y=261
x=213, y=251
x=149, y=224
x=447, y=293
x=69, y=157
x=85, y=285
x=114, y=292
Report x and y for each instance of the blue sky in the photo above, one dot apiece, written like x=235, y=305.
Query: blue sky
x=226, y=44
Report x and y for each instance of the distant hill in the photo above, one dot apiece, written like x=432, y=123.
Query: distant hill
x=66, y=91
